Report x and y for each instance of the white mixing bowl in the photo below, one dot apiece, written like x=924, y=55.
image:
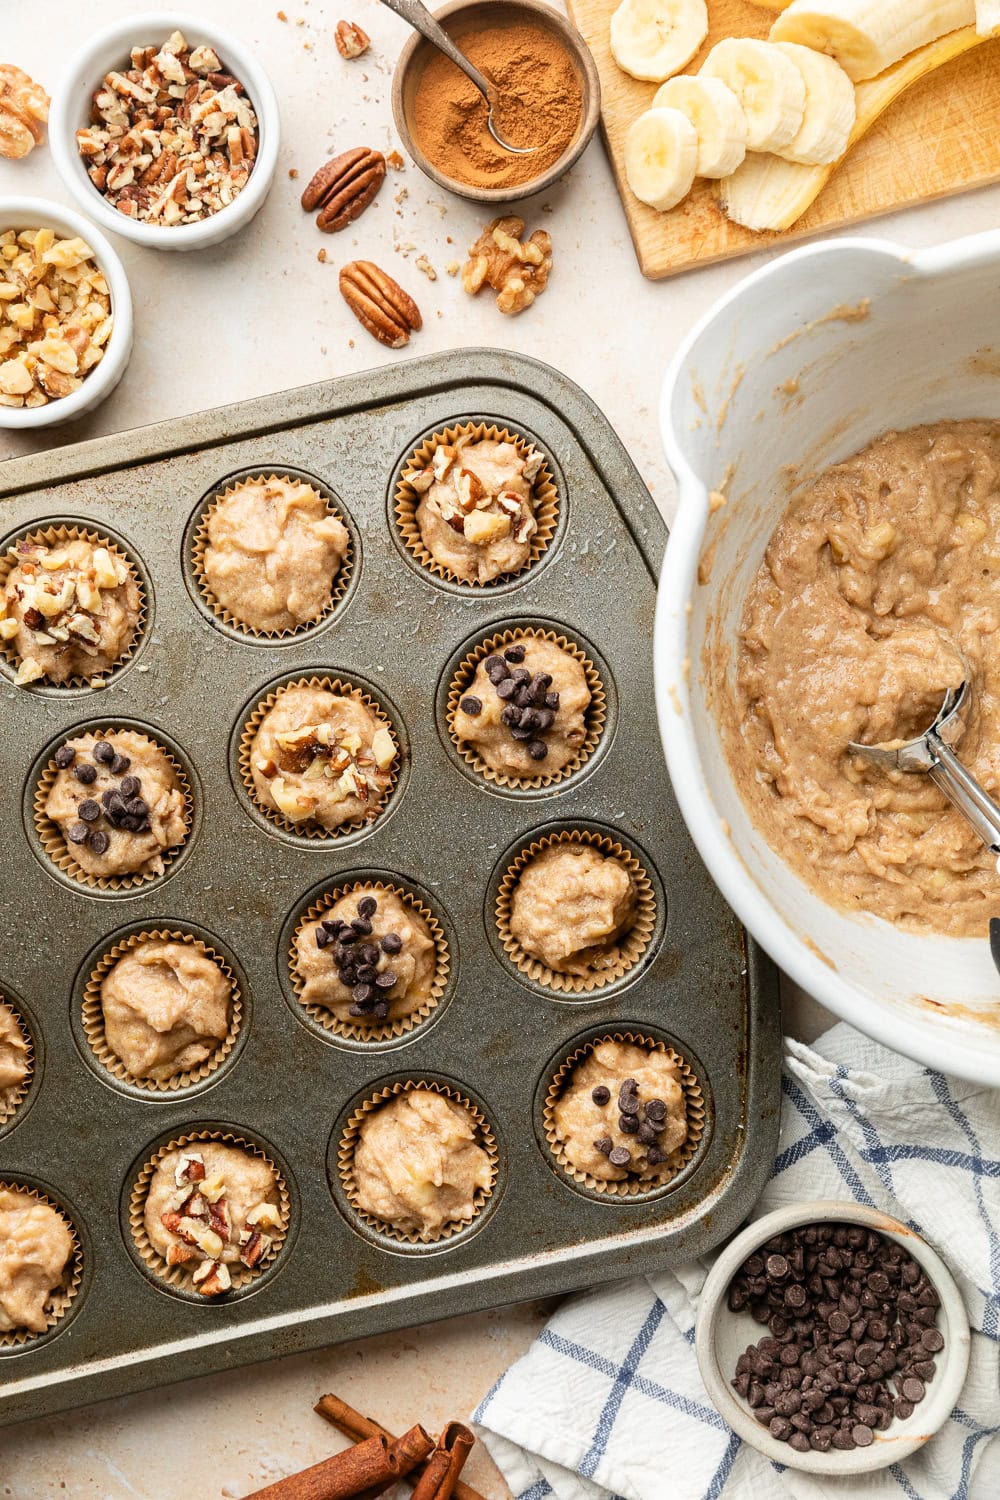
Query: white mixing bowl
x=802, y=364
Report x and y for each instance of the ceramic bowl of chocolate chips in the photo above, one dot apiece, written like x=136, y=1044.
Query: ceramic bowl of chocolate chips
x=832, y=1338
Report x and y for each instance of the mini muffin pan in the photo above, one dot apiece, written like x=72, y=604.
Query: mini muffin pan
x=242, y=883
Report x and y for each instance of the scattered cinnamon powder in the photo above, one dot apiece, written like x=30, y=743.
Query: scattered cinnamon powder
x=541, y=105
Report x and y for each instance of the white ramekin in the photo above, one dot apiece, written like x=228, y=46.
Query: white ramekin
x=721, y=1337
x=798, y=367
x=39, y=213
x=109, y=49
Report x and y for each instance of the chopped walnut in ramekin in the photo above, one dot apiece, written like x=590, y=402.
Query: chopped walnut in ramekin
x=55, y=316
x=173, y=139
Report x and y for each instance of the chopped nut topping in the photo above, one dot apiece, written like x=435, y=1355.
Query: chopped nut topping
x=55, y=316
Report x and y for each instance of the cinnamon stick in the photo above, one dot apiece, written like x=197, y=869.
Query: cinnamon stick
x=410, y=1450
x=440, y=1477
x=341, y=1477
x=354, y=1425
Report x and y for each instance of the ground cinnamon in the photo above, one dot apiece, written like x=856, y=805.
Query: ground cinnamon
x=541, y=106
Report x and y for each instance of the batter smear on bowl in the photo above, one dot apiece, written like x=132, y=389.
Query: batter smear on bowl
x=875, y=585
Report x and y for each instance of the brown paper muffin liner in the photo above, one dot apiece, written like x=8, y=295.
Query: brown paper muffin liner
x=544, y=493
x=12, y=1098
x=308, y=829
x=349, y=1141
x=50, y=536
x=92, y=1012
x=199, y=545
x=625, y=954
x=595, y=716
x=53, y=840
x=388, y=1030
x=631, y=1187
x=180, y=1276
x=62, y=1296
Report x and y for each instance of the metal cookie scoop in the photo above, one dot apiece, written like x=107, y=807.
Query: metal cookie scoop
x=420, y=18
x=932, y=754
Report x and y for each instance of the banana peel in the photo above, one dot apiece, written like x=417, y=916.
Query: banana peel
x=767, y=192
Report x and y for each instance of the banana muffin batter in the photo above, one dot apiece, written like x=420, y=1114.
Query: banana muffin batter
x=370, y=958
x=524, y=712
x=322, y=757
x=418, y=1164
x=571, y=906
x=876, y=578
x=35, y=1250
x=477, y=511
x=622, y=1114
x=166, y=1008
x=274, y=550
x=209, y=1207
x=13, y=1055
x=69, y=609
x=117, y=799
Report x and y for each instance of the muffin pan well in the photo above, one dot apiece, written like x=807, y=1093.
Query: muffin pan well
x=242, y=882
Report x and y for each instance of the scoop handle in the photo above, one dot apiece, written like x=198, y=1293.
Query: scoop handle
x=963, y=790
x=419, y=17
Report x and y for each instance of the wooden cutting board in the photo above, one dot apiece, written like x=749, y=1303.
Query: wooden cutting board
x=940, y=137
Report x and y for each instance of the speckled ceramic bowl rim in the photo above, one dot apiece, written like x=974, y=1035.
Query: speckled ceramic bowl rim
x=901, y=1438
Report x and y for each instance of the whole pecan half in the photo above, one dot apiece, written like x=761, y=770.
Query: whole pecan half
x=343, y=188
x=379, y=303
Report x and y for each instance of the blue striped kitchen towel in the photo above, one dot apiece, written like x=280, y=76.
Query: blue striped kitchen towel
x=608, y=1403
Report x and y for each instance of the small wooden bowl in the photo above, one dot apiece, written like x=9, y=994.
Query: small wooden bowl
x=459, y=17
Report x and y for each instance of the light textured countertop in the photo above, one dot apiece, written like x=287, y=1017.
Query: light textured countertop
x=260, y=314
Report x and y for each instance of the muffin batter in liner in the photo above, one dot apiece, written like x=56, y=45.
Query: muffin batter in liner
x=308, y=829
x=595, y=716
x=52, y=536
x=386, y=1030
x=630, y=1187
x=54, y=842
x=199, y=543
x=61, y=1298
x=92, y=1012
x=12, y=1098
x=180, y=1276
x=349, y=1139
x=544, y=494
x=621, y=957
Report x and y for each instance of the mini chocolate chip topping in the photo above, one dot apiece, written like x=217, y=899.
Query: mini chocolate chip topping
x=361, y=966
x=86, y=774
x=65, y=756
x=530, y=707
x=121, y=806
x=850, y=1315
x=104, y=753
x=601, y=1095
x=620, y=1156
x=472, y=706
x=645, y=1121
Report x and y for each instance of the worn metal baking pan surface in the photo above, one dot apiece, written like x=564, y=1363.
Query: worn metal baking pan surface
x=703, y=987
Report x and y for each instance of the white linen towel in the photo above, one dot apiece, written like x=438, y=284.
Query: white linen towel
x=608, y=1403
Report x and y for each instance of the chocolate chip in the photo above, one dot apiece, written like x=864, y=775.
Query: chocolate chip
x=628, y=1124
x=64, y=756
x=98, y=841
x=777, y=1267
x=521, y=676
x=862, y=1435
x=104, y=753
x=932, y=1338
x=386, y=980
x=655, y=1155
x=912, y=1389
x=361, y=926
x=525, y=734
x=628, y=1103
x=380, y=1010
x=646, y=1135
x=495, y=664
x=601, y=1095
x=362, y=993
x=119, y=764
x=552, y=701
x=472, y=706
x=392, y=943
x=656, y=1109
x=799, y=1442
x=514, y=654
x=323, y=937
x=902, y=1409
x=507, y=689
x=538, y=750
x=78, y=833
x=604, y=1145
x=620, y=1156
x=367, y=906
x=89, y=810
x=85, y=773
x=131, y=786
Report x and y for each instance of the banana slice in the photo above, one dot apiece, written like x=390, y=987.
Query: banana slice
x=661, y=157
x=830, y=108
x=717, y=116
x=868, y=36
x=653, y=39
x=769, y=86
x=987, y=17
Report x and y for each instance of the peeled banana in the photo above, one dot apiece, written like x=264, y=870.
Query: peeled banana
x=769, y=193
x=768, y=85
x=868, y=36
x=661, y=157
x=653, y=39
x=830, y=108
x=717, y=116
x=987, y=17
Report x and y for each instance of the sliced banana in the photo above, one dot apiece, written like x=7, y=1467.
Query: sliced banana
x=830, y=108
x=717, y=116
x=987, y=17
x=661, y=157
x=653, y=39
x=769, y=86
x=868, y=36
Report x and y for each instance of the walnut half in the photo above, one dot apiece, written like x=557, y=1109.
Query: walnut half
x=516, y=269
